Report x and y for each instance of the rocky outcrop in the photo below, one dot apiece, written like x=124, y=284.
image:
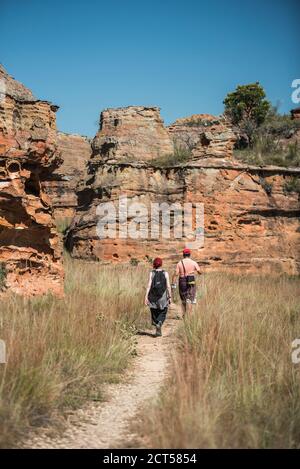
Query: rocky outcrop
x=251, y=214
x=204, y=135
x=251, y=217
x=132, y=133
x=30, y=249
x=62, y=185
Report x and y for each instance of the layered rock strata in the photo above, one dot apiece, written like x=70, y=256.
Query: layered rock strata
x=63, y=183
x=30, y=249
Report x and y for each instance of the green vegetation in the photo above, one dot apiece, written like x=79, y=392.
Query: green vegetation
x=61, y=351
x=197, y=122
x=232, y=382
x=180, y=156
x=263, y=133
x=62, y=224
x=247, y=107
x=292, y=185
x=134, y=262
x=269, y=144
x=2, y=275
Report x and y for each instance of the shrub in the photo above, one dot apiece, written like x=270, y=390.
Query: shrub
x=292, y=185
x=134, y=261
x=247, y=107
x=2, y=275
x=180, y=156
x=62, y=224
x=269, y=144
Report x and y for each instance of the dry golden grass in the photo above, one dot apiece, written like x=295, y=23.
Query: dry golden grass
x=233, y=383
x=60, y=352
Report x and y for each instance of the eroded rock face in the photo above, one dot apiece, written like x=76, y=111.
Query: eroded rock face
x=62, y=185
x=251, y=221
x=132, y=133
x=206, y=136
x=30, y=249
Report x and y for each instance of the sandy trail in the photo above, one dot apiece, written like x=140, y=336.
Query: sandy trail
x=107, y=424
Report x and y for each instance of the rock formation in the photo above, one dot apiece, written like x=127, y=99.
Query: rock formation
x=251, y=219
x=251, y=213
x=132, y=133
x=30, y=249
x=204, y=135
x=62, y=185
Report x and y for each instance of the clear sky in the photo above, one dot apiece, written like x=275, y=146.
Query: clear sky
x=181, y=55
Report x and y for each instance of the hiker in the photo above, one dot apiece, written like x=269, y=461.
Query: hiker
x=186, y=270
x=158, y=295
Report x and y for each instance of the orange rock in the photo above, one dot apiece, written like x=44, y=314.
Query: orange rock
x=30, y=249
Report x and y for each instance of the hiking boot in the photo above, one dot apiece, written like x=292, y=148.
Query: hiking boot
x=158, y=329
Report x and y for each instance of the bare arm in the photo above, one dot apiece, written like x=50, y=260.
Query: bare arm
x=198, y=269
x=169, y=286
x=148, y=288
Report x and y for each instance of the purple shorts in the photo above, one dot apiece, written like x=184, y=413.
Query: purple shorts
x=187, y=292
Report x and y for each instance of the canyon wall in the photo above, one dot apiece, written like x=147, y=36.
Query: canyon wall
x=251, y=214
x=62, y=184
x=251, y=217
x=30, y=249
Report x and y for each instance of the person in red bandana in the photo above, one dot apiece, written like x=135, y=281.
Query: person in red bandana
x=158, y=295
x=186, y=270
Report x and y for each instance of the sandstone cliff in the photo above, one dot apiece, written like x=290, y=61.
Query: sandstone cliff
x=30, y=250
x=204, y=135
x=62, y=185
x=251, y=220
x=134, y=132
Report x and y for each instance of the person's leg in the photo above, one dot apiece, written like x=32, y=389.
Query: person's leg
x=154, y=316
x=188, y=307
x=183, y=308
x=162, y=313
x=182, y=292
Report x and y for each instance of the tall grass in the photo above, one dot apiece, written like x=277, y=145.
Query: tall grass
x=233, y=383
x=180, y=156
x=60, y=352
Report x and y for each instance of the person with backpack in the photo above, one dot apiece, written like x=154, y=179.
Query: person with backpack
x=186, y=270
x=158, y=295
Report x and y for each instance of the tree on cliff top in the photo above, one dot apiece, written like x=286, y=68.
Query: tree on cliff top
x=247, y=107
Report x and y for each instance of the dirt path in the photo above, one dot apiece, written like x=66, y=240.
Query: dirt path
x=107, y=425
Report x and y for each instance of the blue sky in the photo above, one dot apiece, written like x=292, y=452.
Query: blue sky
x=181, y=55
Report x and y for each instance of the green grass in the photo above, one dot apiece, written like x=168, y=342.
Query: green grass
x=180, y=156
x=61, y=351
x=62, y=224
x=292, y=185
x=267, y=152
x=267, y=146
x=232, y=382
x=2, y=275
